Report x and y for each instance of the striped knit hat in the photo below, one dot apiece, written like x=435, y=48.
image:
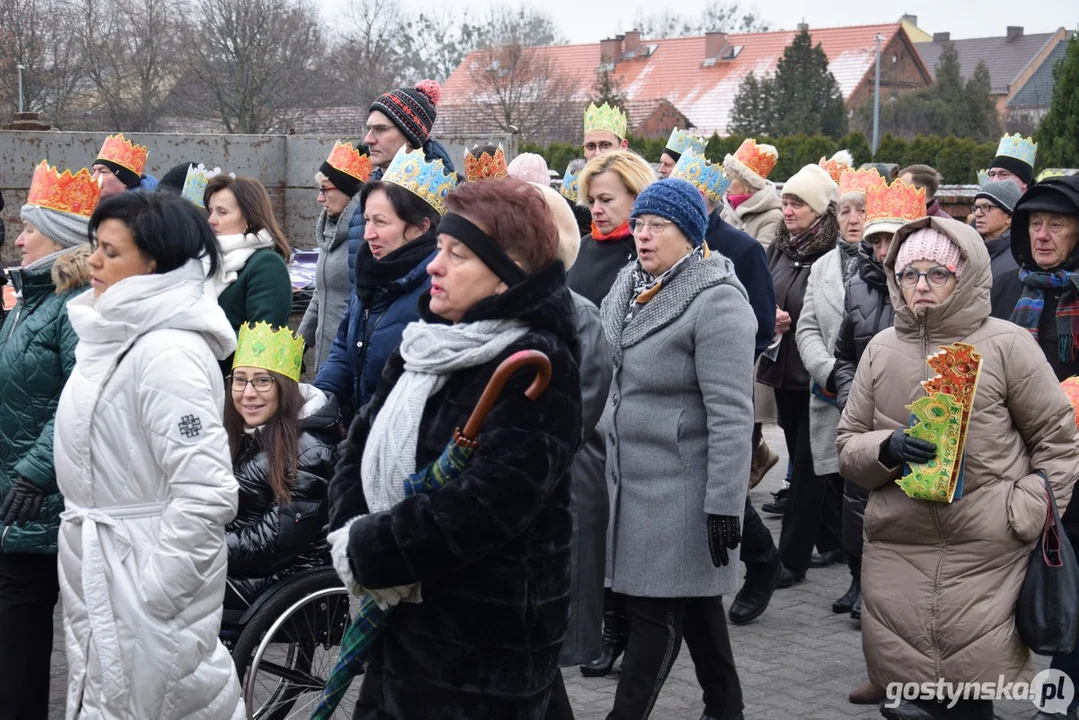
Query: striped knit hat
x=412, y=110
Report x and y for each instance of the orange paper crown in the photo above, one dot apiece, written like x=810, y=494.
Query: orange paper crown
x=837, y=164
x=485, y=167
x=851, y=181
x=76, y=194
x=350, y=161
x=124, y=153
x=897, y=202
x=760, y=161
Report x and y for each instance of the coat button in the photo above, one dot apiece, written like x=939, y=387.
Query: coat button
x=359, y=344
x=614, y=400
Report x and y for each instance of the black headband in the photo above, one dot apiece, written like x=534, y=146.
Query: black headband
x=484, y=246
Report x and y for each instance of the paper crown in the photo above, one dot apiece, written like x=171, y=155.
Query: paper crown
x=859, y=181
x=124, y=153
x=1018, y=147
x=837, y=164
x=427, y=180
x=261, y=345
x=195, y=184
x=702, y=174
x=570, y=187
x=76, y=194
x=681, y=141
x=896, y=203
x=606, y=118
x=486, y=166
x=1071, y=389
x=1050, y=173
x=983, y=177
x=350, y=161
x=757, y=159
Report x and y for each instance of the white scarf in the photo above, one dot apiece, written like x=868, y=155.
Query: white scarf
x=236, y=250
x=431, y=353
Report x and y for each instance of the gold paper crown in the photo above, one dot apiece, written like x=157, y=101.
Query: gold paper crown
x=485, y=167
x=124, y=153
x=859, y=181
x=350, y=161
x=895, y=203
x=570, y=186
x=260, y=345
x=427, y=180
x=758, y=159
x=837, y=164
x=76, y=194
x=606, y=118
x=1018, y=147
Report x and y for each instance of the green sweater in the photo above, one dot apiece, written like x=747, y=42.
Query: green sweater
x=261, y=292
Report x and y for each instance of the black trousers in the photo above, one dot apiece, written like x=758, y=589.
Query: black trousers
x=814, y=502
x=558, y=708
x=29, y=589
x=656, y=629
x=1069, y=662
x=758, y=550
x=963, y=710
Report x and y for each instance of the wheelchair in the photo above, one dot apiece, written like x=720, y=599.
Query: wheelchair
x=286, y=643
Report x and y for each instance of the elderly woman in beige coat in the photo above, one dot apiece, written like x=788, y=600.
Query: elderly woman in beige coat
x=941, y=581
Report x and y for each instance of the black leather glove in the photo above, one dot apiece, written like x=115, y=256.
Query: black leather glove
x=22, y=504
x=829, y=384
x=724, y=533
x=902, y=448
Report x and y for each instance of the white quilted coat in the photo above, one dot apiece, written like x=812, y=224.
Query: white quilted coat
x=143, y=463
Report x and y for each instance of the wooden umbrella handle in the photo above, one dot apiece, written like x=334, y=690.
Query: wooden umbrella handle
x=510, y=365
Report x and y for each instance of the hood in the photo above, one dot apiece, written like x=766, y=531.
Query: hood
x=1050, y=192
x=433, y=149
x=70, y=271
x=137, y=305
x=967, y=308
x=318, y=411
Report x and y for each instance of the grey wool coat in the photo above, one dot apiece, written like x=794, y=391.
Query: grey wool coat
x=319, y=325
x=679, y=423
x=818, y=328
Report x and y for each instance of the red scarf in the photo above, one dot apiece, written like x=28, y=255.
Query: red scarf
x=736, y=200
x=620, y=232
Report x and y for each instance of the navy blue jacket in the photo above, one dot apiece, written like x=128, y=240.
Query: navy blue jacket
x=368, y=336
x=751, y=268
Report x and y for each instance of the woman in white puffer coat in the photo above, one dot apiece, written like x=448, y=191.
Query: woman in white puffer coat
x=143, y=463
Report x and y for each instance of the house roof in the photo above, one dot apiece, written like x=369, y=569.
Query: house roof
x=1005, y=58
x=1037, y=92
x=674, y=70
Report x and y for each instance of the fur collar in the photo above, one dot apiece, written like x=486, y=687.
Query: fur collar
x=71, y=272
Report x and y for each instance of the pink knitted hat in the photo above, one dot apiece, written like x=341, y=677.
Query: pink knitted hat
x=930, y=244
x=530, y=167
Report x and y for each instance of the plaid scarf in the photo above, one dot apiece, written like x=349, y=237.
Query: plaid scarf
x=1028, y=311
x=646, y=285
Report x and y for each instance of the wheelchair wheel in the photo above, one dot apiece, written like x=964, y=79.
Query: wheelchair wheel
x=289, y=647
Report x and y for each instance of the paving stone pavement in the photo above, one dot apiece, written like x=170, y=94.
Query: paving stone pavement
x=798, y=661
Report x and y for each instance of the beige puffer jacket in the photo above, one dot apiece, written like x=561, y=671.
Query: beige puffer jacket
x=759, y=216
x=940, y=581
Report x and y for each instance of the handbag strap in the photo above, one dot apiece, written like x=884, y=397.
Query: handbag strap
x=1050, y=544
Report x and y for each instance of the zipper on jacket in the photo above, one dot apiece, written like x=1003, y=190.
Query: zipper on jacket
x=4, y=536
x=925, y=349
x=14, y=324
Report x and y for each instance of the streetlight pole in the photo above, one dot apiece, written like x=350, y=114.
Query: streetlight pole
x=20, y=68
x=876, y=100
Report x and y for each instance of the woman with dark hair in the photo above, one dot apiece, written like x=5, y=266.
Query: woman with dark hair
x=480, y=569
x=142, y=461
x=283, y=453
x=402, y=213
x=253, y=283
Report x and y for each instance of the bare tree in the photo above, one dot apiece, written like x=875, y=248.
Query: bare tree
x=254, y=65
x=372, y=42
x=717, y=16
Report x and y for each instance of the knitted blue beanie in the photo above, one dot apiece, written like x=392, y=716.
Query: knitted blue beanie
x=677, y=201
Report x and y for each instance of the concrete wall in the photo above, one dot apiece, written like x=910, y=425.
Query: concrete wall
x=286, y=164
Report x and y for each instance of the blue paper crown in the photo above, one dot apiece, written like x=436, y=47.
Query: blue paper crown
x=570, y=189
x=427, y=180
x=681, y=141
x=1018, y=147
x=702, y=174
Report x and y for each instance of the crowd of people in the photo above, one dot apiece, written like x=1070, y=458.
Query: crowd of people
x=162, y=461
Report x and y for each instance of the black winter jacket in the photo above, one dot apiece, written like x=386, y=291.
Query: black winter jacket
x=491, y=548
x=598, y=264
x=267, y=541
x=751, y=268
x=868, y=310
x=1002, y=264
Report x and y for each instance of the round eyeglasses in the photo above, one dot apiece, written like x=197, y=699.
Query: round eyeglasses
x=936, y=277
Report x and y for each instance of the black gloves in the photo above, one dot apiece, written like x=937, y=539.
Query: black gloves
x=724, y=533
x=829, y=384
x=902, y=448
x=22, y=504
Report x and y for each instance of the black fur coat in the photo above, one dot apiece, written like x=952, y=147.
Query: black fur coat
x=491, y=548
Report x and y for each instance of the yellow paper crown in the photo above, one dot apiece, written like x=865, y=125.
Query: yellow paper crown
x=427, y=180
x=852, y=181
x=350, y=161
x=262, y=346
x=76, y=194
x=124, y=153
x=1018, y=147
x=606, y=118
x=485, y=167
x=898, y=203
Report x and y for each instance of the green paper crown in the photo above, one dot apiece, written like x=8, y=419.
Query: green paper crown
x=680, y=141
x=262, y=346
x=1018, y=147
x=606, y=118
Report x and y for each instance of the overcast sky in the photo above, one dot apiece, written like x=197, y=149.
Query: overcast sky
x=588, y=21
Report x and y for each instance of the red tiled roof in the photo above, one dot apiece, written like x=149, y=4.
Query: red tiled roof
x=674, y=69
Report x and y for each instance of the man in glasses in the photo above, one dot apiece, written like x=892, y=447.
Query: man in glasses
x=993, y=206
x=605, y=129
x=1015, y=161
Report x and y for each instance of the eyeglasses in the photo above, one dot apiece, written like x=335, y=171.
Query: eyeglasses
x=604, y=146
x=262, y=383
x=936, y=277
x=655, y=227
x=999, y=174
x=983, y=208
x=325, y=191
x=376, y=130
